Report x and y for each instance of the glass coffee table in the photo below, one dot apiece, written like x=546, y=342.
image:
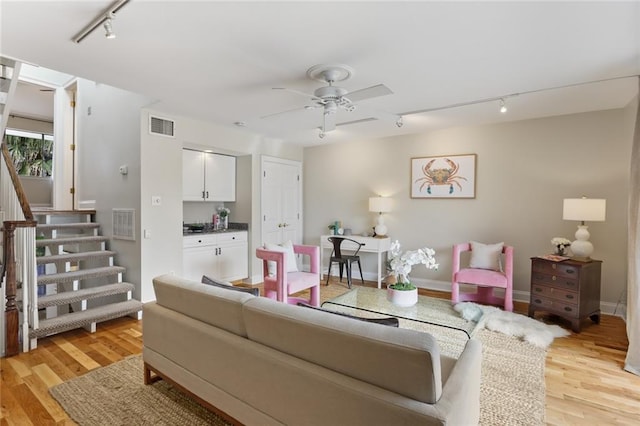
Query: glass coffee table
x=364, y=301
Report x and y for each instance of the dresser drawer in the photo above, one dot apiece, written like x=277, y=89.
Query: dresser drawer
x=555, y=268
x=554, y=281
x=554, y=293
x=567, y=310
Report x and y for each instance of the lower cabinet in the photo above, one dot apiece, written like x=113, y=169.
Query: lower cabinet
x=222, y=256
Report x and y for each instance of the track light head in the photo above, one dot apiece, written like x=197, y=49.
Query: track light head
x=399, y=122
x=108, y=28
x=503, y=107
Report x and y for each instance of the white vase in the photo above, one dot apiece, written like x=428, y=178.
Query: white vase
x=402, y=298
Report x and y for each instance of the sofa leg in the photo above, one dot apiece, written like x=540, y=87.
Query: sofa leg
x=148, y=379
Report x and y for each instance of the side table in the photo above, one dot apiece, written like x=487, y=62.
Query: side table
x=569, y=289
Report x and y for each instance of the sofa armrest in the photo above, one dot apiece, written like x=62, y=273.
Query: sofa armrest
x=460, y=400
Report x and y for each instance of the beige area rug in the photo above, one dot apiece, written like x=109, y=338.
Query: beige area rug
x=512, y=386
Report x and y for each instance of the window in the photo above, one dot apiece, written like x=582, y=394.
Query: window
x=32, y=153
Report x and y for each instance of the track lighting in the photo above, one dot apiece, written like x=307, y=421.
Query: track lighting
x=105, y=19
x=321, y=135
x=503, y=107
x=108, y=28
x=399, y=122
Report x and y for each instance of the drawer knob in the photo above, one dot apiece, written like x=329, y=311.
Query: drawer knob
x=538, y=301
x=570, y=271
x=553, y=266
x=553, y=278
x=569, y=296
x=568, y=309
x=538, y=289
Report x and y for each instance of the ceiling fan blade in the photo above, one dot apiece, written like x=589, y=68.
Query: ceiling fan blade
x=297, y=92
x=329, y=122
x=285, y=112
x=369, y=92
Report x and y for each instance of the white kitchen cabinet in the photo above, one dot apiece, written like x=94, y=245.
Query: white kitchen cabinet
x=207, y=176
x=223, y=256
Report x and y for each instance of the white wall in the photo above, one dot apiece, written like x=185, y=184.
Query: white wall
x=162, y=175
x=108, y=137
x=524, y=171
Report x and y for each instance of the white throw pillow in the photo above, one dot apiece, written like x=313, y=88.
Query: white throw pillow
x=287, y=248
x=486, y=256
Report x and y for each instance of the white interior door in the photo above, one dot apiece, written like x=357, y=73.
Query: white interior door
x=281, y=201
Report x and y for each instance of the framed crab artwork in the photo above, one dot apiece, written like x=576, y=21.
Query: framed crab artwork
x=446, y=176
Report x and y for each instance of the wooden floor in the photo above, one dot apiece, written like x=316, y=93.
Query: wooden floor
x=584, y=378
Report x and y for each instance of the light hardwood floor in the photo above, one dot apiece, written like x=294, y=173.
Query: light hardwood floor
x=584, y=378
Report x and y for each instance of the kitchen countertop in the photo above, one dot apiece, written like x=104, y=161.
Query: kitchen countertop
x=208, y=229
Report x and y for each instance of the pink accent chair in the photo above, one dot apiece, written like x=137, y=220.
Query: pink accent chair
x=486, y=280
x=283, y=284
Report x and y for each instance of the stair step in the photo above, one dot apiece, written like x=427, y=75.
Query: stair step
x=71, y=240
x=56, y=226
x=51, y=212
x=67, y=297
x=81, y=274
x=75, y=320
x=74, y=257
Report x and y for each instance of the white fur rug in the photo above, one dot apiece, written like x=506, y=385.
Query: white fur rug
x=528, y=329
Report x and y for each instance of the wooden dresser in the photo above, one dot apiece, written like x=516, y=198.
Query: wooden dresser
x=569, y=289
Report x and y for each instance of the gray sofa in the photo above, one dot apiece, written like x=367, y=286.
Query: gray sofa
x=263, y=362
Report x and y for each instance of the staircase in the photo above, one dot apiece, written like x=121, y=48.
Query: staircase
x=78, y=284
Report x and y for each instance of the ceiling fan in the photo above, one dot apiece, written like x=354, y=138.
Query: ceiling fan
x=332, y=98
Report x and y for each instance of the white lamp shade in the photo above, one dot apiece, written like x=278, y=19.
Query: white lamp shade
x=379, y=204
x=584, y=209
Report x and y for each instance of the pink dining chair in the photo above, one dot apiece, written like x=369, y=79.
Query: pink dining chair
x=283, y=284
x=485, y=279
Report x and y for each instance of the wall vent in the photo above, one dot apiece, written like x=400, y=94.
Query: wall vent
x=124, y=224
x=161, y=126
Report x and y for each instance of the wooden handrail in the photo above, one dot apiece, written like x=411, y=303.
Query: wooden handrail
x=17, y=184
x=11, y=314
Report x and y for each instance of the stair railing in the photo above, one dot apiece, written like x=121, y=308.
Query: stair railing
x=19, y=258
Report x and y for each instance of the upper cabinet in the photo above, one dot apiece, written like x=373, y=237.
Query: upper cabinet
x=207, y=176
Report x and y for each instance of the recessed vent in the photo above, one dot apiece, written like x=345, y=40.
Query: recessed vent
x=124, y=224
x=161, y=126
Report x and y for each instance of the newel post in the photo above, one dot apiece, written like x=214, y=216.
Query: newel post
x=11, y=315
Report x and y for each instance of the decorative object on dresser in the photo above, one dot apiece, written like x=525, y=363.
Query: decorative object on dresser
x=560, y=244
x=568, y=288
x=380, y=205
x=583, y=209
x=487, y=270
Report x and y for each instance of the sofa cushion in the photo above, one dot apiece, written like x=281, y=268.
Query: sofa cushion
x=209, y=304
x=403, y=361
x=228, y=286
x=390, y=321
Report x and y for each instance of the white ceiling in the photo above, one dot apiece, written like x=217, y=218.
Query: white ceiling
x=218, y=61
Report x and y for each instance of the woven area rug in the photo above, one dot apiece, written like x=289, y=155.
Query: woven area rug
x=512, y=386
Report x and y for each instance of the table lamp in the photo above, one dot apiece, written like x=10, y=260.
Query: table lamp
x=380, y=205
x=583, y=209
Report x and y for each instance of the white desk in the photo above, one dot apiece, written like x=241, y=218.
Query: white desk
x=371, y=245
